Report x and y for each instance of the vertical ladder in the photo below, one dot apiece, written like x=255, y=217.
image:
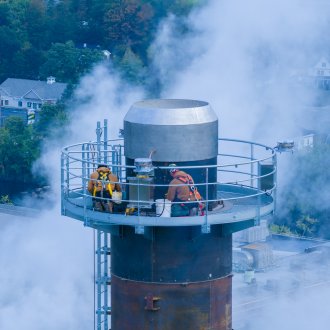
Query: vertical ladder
x=102, y=280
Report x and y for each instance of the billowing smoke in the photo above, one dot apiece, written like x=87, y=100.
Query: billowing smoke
x=46, y=273
x=47, y=279
x=246, y=59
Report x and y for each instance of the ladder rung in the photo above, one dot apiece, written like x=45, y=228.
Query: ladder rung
x=104, y=280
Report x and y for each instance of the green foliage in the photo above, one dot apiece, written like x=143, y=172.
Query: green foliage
x=280, y=229
x=18, y=150
x=9, y=42
x=4, y=199
x=132, y=66
x=26, y=62
x=307, y=194
x=52, y=121
x=306, y=225
x=303, y=226
x=68, y=63
x=176, y=7
x=20, y=144
x=49, y=34
x=62, y=22
x=44, y=38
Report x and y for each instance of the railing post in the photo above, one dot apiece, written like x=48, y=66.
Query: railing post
x=105, y=142
x=120, y=170
x=275, y=179
x=98, y=139
x=98, y=279
x=83, y=179
x=206, y=227
x=113, y=159
x=252, y=164
x=105, y=279
x=67, y=167
x=63, y=193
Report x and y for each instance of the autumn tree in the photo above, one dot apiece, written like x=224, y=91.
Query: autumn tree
x=129, y=23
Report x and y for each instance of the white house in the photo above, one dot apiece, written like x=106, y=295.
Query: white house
x=320, y=73
x=321, y=69
x=30, y=94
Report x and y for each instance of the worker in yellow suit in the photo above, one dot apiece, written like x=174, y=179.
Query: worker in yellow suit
x=101, y=185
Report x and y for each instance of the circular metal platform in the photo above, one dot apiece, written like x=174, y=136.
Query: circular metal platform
x=247, y=194
x=239, y=204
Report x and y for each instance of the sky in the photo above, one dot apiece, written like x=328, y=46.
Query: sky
x=240, y=57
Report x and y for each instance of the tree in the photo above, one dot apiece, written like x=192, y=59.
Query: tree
x=62, y=22
x=36, y=23
x=52, y=121
x=176, y=7
x=9, y=42
x=69, y=63
x=26, y=63
x=306, y=225
x=129, y=23
x=4, y=13
x=18, y=150
x=307, y=195
x=280, y=229
x=92, y=25
x=132, y=66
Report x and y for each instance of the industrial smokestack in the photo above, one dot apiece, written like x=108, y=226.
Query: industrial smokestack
x=167, y=272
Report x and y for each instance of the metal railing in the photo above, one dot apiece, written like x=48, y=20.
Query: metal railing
x=240, y=169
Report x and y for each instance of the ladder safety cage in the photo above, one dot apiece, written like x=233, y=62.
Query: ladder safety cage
x=102, y=280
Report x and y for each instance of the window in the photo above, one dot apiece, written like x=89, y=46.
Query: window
x=29, y=104
x=20, y=103
x=6, y=102
x=1, y=102
x=34, y=105
x=324, y=65
x=320, y=72
x=39, y=105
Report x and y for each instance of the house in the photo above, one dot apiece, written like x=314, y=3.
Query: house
x=320, y=73
x=317, y=75
x=25, y=97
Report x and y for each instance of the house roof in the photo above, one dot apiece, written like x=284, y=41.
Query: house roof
x=322, y=63
x=38, y=89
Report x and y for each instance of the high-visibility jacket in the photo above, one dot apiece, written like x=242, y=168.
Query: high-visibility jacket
x=103, y=180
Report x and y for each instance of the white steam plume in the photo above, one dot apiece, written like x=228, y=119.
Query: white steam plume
x=241, y=59
x=245, y=57
x=47, y=263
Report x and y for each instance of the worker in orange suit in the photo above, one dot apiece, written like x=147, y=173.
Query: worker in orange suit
x=183, y=193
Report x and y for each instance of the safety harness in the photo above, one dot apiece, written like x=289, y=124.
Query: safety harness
x=102, y=182
x=192, y=189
